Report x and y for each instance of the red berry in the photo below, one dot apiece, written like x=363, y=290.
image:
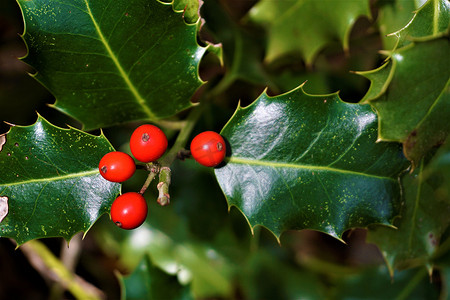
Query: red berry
x=129, y=210
x=148, y=143
x=208, y=148
x=117, y=166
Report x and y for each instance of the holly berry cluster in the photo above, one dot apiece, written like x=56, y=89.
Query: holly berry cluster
x=148, y=143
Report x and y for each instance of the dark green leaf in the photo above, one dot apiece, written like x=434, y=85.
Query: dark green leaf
x=118, y=61
x=430, y=21
x=149, y=282
x=189, y=8
x=50, y=177
x=293, y=26
x=411, y=93
x=393, y=15
x=302, y=161
x=423, y=220
x=380, y=79
x=425, y=216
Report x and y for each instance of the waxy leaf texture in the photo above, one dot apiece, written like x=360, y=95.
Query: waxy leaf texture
x=51, y=179
x=116, y=60
x=300, y=161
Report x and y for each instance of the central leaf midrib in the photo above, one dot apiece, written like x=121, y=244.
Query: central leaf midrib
x=272, y=164
x=57, y=178
x=123, y=74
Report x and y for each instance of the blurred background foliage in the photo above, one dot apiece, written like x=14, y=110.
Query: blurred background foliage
x=195, y=245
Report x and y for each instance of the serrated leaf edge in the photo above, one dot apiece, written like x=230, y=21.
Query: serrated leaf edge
x=227, y=159
x=435, y=33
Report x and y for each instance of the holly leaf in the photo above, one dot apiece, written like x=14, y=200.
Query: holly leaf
x=120, y=61
x=51, y=181
x=392, y=16
x=307, y=161
x=423, y=221
x=190, y=9
x=413, y=75
x=292, y=25
x=149, y=282
x=424, y=217
x=430, y=21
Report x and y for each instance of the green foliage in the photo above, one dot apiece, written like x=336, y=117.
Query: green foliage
x=423, y=221
x=116, y=62
x=310, y=162
x=431, y=20
x=414, y=65
x=374, y=283
x=296, y=160
x=292, y=25
x=146, y=282
x=46, y=169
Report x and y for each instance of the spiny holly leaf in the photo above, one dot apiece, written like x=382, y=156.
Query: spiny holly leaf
x=430, y=21
x=120, y=61
x=411, y=93
x=302, y=161
x=423, y=220
x=392, y=16
x=293, y=26
x=149, y=282
x=190, y=9
x=51, y=180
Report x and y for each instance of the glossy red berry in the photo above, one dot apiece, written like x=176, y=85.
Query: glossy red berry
x=117, y=166
x=129, y=210
x=148, y=143
x=208, y=148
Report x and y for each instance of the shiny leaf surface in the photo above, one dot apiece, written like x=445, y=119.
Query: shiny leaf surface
x=303, y=161
x=118, y=61
x=292, y=25
x=50, y=177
